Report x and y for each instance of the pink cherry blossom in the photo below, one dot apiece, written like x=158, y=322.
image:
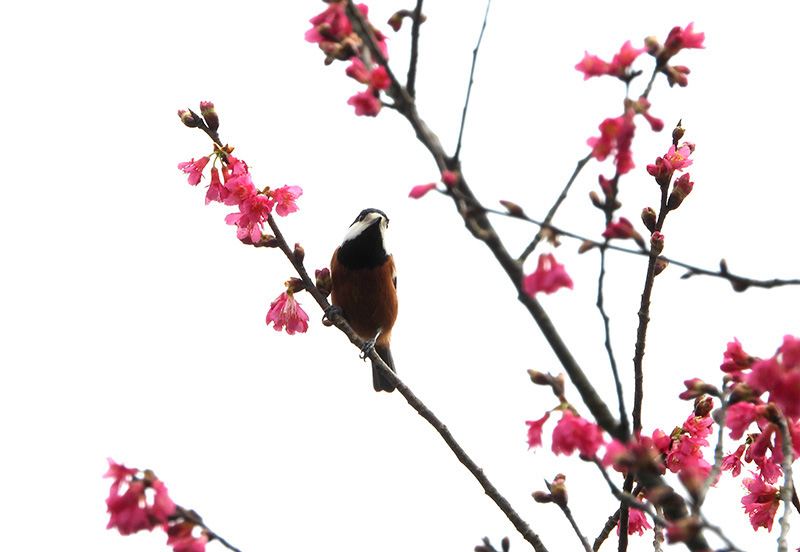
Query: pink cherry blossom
x=251, y=217
x=357, y=70
x=365, y=103
x=285, y=199
x=780, y=376
x=549, y=276
x=761, y=503
x=216, y=191
x=679, y=39
x=128, y=506
x=637, y=522
x=285, y=312
x=740, y=416
x=572, y=432
x=179, y=537
x=733, y=461
x=194, y=169
x=616, y=136
x=535, y=431
x=622, y=229
x=592, y=66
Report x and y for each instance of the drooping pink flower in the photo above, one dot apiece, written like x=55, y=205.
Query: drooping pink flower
x=194, y=169
x=251, y=217
x=573, y=432
x=621, y=229
x=365, y=103
x=285, y=312
x=285, y=199
x=128, y=506
x=379, y=78
x=535, y=431
x=421, y=189
x=616, y=136
x=238, y=183
x=761, y=502
x=679, y=39
x=637, y=522
x=733, y=461
x=216, y=191
x=357, y=70
x=330, y=25
x=780, y=376
x=549, y=276
x=180, y=538
x=592, y=66
x=740, y=416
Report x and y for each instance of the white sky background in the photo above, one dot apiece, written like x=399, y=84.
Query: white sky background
x=133, y=320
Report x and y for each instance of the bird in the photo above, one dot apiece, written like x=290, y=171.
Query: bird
x=364, y=287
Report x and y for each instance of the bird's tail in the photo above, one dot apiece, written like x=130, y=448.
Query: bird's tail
x=379, y=382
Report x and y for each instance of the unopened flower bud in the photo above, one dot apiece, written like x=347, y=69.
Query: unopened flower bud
x=677, y=133
x=596, y=201
x=506, y=544
x=396, y=20
x=661, y=266
x=542, y=497
x=683, y=186
x=705, y=404
x=586, y=246
x=323, y=280
x=299, y=253
x=188, y=118
x=294, y=285
x=649, y=218
x=449, y=178
x=652, y=44
x=695, y=388
x=209, y=115
x=558, y=490
x=540, y=378
x=656, y=243
x=513, y=209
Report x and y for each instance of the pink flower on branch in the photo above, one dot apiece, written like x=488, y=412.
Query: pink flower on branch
x=576, y=433
x=180, y=538
x=761, y=503
x=285, y=199
x=678, y=39
x=250, y=219
x=285, y=312
x=549, y=277
x=780, y=376
x=365, y=103
x=420, y=190
x=130, y=508
x=194, y=169
x=593, y=66
x=616, y=136
x=637, y=522
x=535, y=431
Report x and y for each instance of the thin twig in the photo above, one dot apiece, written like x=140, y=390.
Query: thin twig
x=412, y=64
x=718, y=453
x=568, y=514
x=623, y=414
x=552, y=212
x=471, y=80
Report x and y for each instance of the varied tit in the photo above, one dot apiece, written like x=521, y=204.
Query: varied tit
x=364, y=287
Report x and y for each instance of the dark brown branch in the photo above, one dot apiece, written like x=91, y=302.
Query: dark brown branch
x=471, y=81
x=412, y=64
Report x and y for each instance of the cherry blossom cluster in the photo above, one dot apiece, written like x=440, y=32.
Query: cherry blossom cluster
x=680, y=451
x=616, y=133
x=754, y=420
x=334, y=34
x=138, y=501
x=235, y=188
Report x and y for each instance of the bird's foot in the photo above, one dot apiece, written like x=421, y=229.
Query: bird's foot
x=367, y=348
x=331, y=311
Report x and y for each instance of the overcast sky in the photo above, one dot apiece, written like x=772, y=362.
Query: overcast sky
x=133, y=319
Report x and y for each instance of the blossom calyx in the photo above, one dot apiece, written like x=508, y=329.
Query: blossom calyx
x=299, y=253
